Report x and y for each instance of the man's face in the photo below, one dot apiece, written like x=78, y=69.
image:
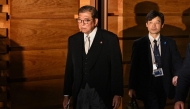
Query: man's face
x=154, y=26
x=86, y=23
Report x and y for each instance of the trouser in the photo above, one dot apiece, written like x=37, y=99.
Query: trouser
x=88, y=98
x=156, y=96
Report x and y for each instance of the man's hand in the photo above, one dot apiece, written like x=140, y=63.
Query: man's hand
x=179, y=105
x=116, y=101
x=174, y=80
x=131, y=93
x=65, y=102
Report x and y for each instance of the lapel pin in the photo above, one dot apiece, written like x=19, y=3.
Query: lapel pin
x=164, y=42
x=101, y=42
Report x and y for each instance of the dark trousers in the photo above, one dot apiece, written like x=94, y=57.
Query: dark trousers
x=88, y=98
x=156, y=96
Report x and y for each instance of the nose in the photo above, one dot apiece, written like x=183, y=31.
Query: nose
x=82, y=22
x=154, y=25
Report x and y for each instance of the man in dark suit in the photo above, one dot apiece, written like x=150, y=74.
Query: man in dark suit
x=154, y=62
x=93, y=74
x=183, y=82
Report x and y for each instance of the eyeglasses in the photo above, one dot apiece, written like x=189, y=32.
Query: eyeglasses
x=85, y=21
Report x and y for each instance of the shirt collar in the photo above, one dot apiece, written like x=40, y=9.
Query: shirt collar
x=92, y=34
x=152, y=39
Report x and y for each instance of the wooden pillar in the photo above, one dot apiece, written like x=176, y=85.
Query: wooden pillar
x=4, y=59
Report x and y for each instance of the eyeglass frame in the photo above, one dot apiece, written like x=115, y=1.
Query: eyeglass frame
x=85, y=21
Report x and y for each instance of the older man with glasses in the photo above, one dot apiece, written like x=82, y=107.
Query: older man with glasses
x=93, y=74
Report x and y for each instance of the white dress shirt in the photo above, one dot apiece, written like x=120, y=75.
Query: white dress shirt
x=152, y=46
x=91, y=35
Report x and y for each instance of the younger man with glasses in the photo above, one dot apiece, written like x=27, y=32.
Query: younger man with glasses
x=93, y=74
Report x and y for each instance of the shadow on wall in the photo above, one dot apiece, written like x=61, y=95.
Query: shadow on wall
x=140, y=10
x=16, y=73
x=139, y=30
x=186, y=21
x=29, y=93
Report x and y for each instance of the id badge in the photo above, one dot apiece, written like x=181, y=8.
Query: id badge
x=154, y=67
x=158, y=72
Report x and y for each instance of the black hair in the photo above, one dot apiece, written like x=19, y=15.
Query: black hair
x=88, y=8
x=152, y=14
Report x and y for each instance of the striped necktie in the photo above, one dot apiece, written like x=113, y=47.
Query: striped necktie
x=157, y=55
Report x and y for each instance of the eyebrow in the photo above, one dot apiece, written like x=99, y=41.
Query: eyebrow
x=157, y=20
x=84, y=18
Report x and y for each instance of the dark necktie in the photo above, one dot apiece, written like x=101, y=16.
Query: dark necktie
x=157, y=55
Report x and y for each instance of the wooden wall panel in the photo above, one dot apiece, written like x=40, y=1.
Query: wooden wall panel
x=35, y=64
x=44, y=9
x=41, y=33
x=4, y=57
x=126, y=48
x=112, y=8
x=3, y=48
x=165, y=6
x=3, y=16
x=5, y=8
x=113, y=24
x=46, y=94
x=4, y=41
x=3, y=2
x=3, y=32
x=174, y=26
x=3, y=45
x=126, y=69
x=135, y=27
x=175, y=16
x=182, y=45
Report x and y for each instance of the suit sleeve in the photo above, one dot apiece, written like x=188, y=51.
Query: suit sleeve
x=184, y=79
x=116, y=68
x=176, y=59
x=133, y=68
x=68, y=79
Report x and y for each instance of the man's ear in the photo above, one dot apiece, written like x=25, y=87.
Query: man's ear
x=162, y=25
x=96, y=21
x=146, y=24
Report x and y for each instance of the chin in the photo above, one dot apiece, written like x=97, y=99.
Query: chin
x=83, y=31
x=154, y=32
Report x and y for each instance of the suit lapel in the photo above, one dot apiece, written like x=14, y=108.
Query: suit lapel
x=163, y=47
x=95, y=48
x=78, y=50
x=149, y=53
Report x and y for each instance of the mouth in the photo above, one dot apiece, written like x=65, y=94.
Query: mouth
x=83, y=28
x=153, y=29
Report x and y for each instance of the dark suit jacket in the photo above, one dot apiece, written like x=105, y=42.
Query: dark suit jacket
x=142, y=67
x=106, y=73
x=183, y=82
